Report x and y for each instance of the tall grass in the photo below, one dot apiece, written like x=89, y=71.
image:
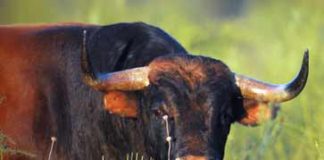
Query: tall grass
x=266, y=42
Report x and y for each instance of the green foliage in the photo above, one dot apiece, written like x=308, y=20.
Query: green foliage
x=2, y=145
x=266, y=42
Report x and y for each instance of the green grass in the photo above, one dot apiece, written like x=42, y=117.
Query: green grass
x=266, y=42
x=1, y=147
x=5, y=149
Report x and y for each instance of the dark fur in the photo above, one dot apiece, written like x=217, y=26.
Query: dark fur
x=202, y=109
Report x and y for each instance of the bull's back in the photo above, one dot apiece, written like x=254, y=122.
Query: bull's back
x=28, y=60
x=17, y=91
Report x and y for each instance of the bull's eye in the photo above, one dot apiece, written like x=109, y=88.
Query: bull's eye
x=158, y=112
x=160, y=109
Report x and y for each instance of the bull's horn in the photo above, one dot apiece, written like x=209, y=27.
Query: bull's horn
x=126, y=80
x=261, y=91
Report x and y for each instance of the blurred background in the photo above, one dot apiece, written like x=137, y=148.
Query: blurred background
x=262, y=39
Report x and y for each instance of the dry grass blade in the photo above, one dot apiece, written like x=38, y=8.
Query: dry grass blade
x=137, y=156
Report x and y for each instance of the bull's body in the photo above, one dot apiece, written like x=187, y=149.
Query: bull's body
x=43, y=93
x=55, y=81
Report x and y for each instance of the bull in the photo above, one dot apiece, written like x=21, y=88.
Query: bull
x=103, y=92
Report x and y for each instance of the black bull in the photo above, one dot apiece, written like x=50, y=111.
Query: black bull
x=102, y=92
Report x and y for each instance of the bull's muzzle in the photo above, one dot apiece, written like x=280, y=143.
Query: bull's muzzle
x=190, y=157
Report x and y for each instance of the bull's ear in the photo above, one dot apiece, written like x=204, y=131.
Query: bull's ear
x=257, y=112
x=122, y=103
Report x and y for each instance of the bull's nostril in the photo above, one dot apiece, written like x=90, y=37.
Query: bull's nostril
x=192, y=158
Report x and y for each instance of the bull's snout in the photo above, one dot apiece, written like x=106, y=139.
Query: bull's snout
x=192, y=158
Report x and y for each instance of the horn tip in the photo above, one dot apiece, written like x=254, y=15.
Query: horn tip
x=306, y=55
x=298, y=84
x=305, y=63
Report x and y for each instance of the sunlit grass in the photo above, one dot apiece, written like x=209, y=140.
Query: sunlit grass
x=267, y=42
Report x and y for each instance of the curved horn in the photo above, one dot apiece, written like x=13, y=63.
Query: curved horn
x=261, y=91
x=126, y=80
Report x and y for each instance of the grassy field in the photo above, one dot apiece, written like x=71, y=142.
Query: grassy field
x=265, y=40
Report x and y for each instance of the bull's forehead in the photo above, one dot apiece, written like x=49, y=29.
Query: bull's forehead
x=190, y=81
x=191, y=69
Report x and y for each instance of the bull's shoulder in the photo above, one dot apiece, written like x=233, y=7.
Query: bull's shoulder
x=136, y=30
x=126, y=45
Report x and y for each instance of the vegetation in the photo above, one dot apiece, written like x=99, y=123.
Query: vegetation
x=265, y=40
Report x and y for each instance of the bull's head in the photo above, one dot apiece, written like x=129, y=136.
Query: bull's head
x=201, y=95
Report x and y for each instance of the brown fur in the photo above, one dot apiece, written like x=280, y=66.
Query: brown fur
x=21, y=59
x=121, y=103
x=256, y=113
x=17, y=86
x=190, y=71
